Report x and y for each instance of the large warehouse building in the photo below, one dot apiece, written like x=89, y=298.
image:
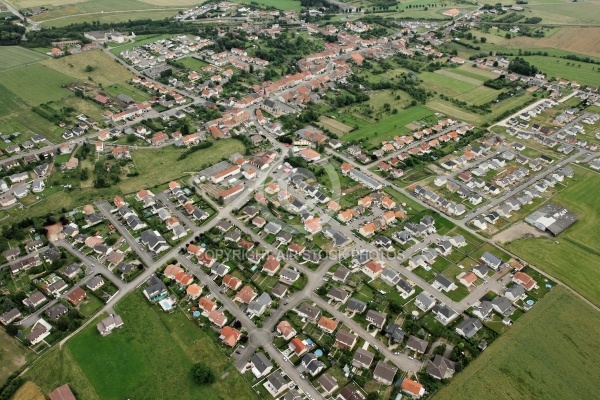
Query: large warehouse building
x=552, y=218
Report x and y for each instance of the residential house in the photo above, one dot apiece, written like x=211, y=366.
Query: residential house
x=362, y=359
x=441, y=368
x=384, y=373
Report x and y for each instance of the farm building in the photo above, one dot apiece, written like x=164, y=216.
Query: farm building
x=552, y=218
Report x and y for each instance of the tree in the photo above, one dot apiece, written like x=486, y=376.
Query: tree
x=89, y=68
x=131, y=138
x=202, y=374
x=12, y=330
x=373, y=396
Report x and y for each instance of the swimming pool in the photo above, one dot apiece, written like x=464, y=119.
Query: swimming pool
x=166, y=304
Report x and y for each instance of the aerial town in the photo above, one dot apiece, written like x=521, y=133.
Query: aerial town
x=315, y=199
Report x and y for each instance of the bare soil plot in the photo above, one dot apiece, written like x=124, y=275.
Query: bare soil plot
x=337, y=127
x=518, y=231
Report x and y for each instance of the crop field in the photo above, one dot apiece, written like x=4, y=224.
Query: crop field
x=36, y=83
x=158, y=166
x=387, y=128
x=29, y=391
x=583, y=73
x=541, y=356
x=280, y=4
x=335, y=126
x=573, y=256
x=12, y=355
x=159, y=347
x=14, y=56
x=460, y=76
x=105, y=70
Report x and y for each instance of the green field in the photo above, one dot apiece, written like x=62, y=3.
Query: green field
x=583, y=73
x=450, y=109
x=148, y=358
x=111, y=17
x=12, y=355
x=193, y=63
x=551, y=352
x=280, y=4
x=479, y=95
x=36, y=83
x=444, y=84
x=124, y=88
x=139, y=41
x=14, y=56
x=574, y=256
x=105, y=70
x=386, y=128
x=158, y=166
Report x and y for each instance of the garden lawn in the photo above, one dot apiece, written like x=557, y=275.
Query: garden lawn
x=14, y=56
x=573, y=256
x=193, y=63
x=551, y=350
x=158, y=166
x=149, y=358
x=36, y=83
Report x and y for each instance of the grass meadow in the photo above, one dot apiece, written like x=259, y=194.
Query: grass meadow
x=583, y=73
x=280, y=4
x=14, y=56
x=148, y=358
x=573, y=256
x=386, y=128
x=105, y=70
x=36, y=83
x=551, y=352
x=158, y=166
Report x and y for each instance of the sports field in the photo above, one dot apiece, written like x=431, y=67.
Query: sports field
x=14, y=56
x=105, y=70
x=36, y=83
x=148, y=358
x=551, y=352
x=573, y=256
x=158, y=166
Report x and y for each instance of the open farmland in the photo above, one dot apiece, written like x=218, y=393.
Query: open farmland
x=574, y=256
x=14, y=56
x=550, y=351
x=446, y=85
x=280, y=4
x=388, y=127
x=63, y=9
x=159, y=347
x=104, y=69
x=157, y=166
x=337, y=127
x=36, y=83
x=29, y=391
x=111, y=17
